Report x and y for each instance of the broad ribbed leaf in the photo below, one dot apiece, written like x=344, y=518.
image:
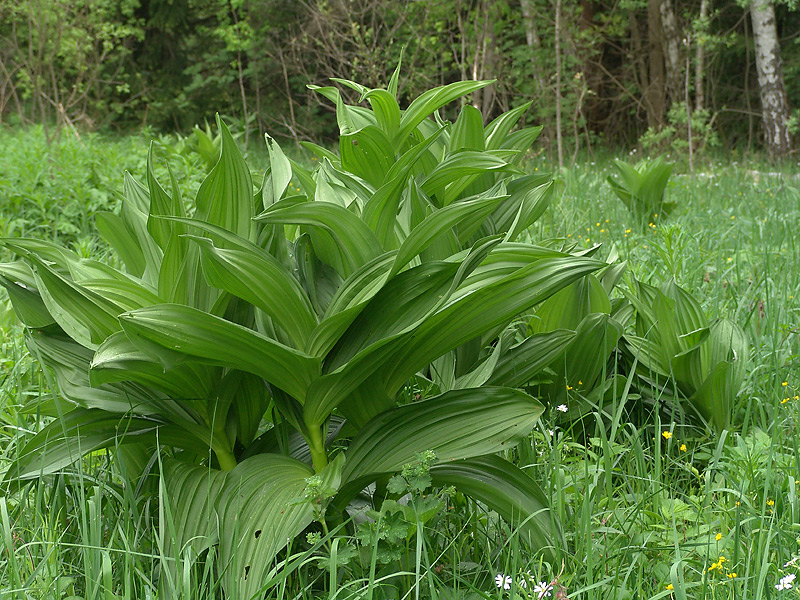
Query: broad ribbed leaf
x=497, y=131
x=586, y=357
x=191, y=493
x=69, y=362
x=260, y=509
x=524, y=361
x=432, y=100
x=386, y=109
x=118, y=359
x=343, y=240
x=114, y=231
x=280, y=170
x=259, y=279
x=460, y=165
x=187, y=332
x=455, y=425
x=134, y=214
x=367, y=153
x=439, y=222
x=87, y=317
x=161, y=203
x=76, y=434
x=226, y=196
x=510, y=492
x=19, y=283
x=567, y=308
x=467, y=132
x=487, y=306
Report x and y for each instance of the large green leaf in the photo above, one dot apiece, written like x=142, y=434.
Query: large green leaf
x=339, y=237
x=70, y=361
x=225, y=197
x=367, y=153
x=161, y=204
x=191, y=493
x=188, y=332
x=119, y=359
x=462, y=164
x=20, y=284
x=428, y=102
x=510, y=492
x=135, y=214
x=261, y=280
x=455, y=425
x=76, y=434
x=260, y=509
x=497, y=131
x=481, y=308
x=467, y=132
x=113, y=230
x=86, y=316
x=524, y=361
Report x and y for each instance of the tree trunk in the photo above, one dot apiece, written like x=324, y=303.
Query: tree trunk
x=672, y=46
x=534, y=43
x=654, y=95
x=558, y=84
x=700, y=57
x=774, y=104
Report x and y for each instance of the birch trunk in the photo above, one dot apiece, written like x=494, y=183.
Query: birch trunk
x=700, y=57
x=672, y=54
x=774, y=104
x=654, y=95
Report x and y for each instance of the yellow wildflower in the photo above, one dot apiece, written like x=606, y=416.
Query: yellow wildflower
x=732, y=575
x=718, y=537
x=682, y=448
x=770, y=502
x=666, y=435
x=670, y=587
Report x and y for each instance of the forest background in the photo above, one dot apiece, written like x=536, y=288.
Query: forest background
x=610, y=74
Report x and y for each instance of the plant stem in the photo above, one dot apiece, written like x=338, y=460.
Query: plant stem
x=225, y=458
x=319, y=457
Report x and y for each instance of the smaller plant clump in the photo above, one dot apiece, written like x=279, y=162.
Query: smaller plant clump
x=641, y=188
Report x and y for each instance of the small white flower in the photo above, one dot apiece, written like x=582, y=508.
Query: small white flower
x=786, y=582
x=562, y=407
x=543, y=589
x=503, y=581
x=522, y=583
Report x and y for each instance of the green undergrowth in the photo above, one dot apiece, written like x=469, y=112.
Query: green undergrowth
x=651, y=506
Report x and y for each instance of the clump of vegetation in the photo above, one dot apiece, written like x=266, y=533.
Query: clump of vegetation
x=396, y=373
x=641, y=188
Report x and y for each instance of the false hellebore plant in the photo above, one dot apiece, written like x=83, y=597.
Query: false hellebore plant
x=261, y=338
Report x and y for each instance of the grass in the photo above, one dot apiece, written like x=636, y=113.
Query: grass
x=650, y=506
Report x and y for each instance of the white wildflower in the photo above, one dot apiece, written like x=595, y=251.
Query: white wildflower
x=503, y=581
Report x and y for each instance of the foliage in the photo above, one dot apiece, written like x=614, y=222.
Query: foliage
x=647, y=497
x=641, y=188
x=245, y=324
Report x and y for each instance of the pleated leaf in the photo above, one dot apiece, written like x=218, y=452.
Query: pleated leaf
x=260, y=509
x=510, y=492
x=187, y=332
x=455, y=425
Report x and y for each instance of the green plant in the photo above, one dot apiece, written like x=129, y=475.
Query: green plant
x=641, y=189
x=264, y=337
x=675, y=342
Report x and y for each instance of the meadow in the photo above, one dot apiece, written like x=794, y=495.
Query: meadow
x=651, y=502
